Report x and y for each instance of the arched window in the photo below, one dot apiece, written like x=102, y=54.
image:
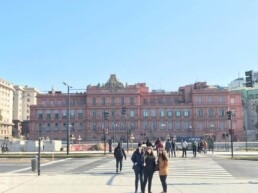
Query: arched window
x=211, y=114
x=200, y=113
x=221, y=113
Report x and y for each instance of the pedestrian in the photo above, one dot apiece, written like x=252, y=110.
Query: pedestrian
x=194, y=147
x=119, y=153
x=184, y=146
x=137, y=159
x=163, y=168
x=205, y=147
x=148, y=143
x=173, y=148
x=149, y=168
x=158, y=144
x=168, y=147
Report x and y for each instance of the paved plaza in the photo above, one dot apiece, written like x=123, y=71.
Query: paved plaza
x=186, y=175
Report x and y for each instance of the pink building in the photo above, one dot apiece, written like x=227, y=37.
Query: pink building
x=194, y=111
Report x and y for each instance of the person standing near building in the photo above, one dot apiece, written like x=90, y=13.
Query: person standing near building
x=149, y=168
x=173, y=148
x=137, y=159
x=168, y=147
x=119, y=153
x=184, y=146
x=148, y=143
x=163, y=168
x=194, y=147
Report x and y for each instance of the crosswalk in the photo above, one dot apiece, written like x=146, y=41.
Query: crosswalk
x=197, y=168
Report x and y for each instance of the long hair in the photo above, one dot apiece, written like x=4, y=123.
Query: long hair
x=163, y=156
x=151, y=153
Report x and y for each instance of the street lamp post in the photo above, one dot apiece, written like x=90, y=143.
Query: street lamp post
x=189, y=130
x=212, y=141
x=68, y=118
x=105, y=134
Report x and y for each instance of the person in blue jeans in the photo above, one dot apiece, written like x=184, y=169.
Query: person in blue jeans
x=137, y=159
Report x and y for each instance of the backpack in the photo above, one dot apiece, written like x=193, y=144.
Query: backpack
x=118, y=153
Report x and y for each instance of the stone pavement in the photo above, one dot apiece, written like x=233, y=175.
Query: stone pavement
x=188, y=175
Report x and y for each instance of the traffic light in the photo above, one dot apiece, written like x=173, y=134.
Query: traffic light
x=129, y=131
x=106, y=115
x=249, y=79
x=124, y=110
x=229, y=115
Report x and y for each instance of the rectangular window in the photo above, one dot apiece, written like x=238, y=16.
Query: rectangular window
x=145, y=113
x=170, y=113
x=72, y=115
x=153, y=113
x=131, y=125
x=132, y=113
x=154, y=125
x=132, y=100
x=80, y=114
x=187, y=124
x=145, y=101
x=232, y=101
x=56, y=127
x=48, y=114
x=170, y=125
x=80, y=126
x=162, y=125
x=160, y=100
x=64, y=114
x=113, y=100
x=200, y=125
x=145, y=125
x=210, y=99
x=64, y=127
x=178, y=113
x=221, y=99
x=56, y=114
x=186, y=113
x=93, y=114
x=161, y=112
x=199, y=99
x=122, y=101
x=94, y=127
x=178, y=125
x=113, y=113
x=222, y=125
x=103, y=101
x=168, y=100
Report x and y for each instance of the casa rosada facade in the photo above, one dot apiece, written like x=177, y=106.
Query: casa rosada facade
x=193, y=111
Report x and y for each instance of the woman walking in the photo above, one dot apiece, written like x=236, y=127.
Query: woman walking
x=163, y=168
x=137, y=159
x=149, y=168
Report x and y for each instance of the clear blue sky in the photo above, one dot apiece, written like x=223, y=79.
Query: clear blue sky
x=166, y=44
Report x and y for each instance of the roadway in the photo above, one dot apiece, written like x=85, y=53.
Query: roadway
x=206, y=173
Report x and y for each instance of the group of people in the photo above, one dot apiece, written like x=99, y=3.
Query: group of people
x=4, y=148
x=145, y=163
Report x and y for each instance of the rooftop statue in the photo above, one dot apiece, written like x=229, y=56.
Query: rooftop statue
x=113, y=83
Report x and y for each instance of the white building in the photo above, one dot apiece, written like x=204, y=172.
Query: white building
x=24, y=96
x=6, y=109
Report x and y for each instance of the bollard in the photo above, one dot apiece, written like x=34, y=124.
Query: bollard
x=34, y=164
x=110, y=145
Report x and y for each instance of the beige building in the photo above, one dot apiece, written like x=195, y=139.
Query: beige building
x=6, y=109
x=24, y=96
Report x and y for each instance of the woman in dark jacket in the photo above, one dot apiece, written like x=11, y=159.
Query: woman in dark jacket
x=137, y=159
x=148, y=169
x=149, y=144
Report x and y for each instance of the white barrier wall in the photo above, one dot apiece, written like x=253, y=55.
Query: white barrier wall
x=50, y=146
